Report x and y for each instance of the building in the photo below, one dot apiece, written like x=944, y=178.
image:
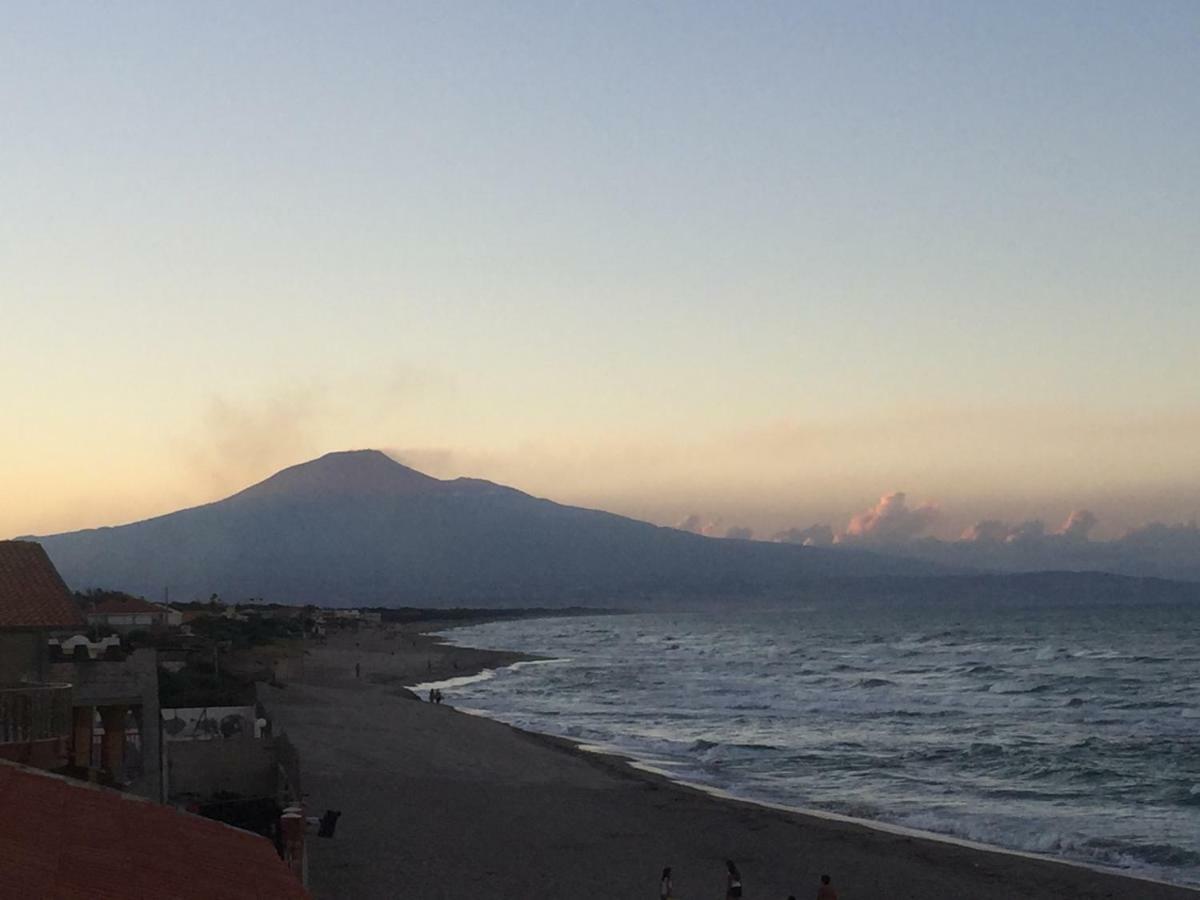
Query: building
x=115, y=734
x=65, y=839
x=126, y=614
x=92, y=710
x=35, y=711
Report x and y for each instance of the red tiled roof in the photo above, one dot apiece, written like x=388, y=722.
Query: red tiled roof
x=126, y=605
x=66, y=840
x=32, y=593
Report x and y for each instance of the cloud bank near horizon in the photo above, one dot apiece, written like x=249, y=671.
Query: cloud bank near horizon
x=893, y=525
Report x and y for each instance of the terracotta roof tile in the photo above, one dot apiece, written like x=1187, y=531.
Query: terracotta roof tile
x=61, y=840
x=32, y=594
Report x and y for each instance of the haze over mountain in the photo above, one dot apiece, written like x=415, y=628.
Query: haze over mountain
x=358, y=528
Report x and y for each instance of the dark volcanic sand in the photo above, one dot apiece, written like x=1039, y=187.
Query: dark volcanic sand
x=439, y=804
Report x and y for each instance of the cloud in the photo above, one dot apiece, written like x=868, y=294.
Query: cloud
x=1184, y=535
x=1175, y=545
x=740, y=533
x=890, y=521
x=812, y=536
x=1076, y=528
x=1077, y=525
x=240, y=442
x=697, y=525
x=994, y=531
x=987, y=531
x=1031, y=531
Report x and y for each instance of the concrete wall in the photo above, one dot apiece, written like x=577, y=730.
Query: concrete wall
x=209, y=723
x=243, y=766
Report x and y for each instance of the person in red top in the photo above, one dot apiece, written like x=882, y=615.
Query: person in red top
x=826, y=891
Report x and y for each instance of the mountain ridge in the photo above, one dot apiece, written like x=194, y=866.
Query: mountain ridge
x=358, y=527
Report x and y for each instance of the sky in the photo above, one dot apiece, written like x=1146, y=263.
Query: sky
x=761, y=263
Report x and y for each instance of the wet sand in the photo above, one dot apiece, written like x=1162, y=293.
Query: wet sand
x=440, y=804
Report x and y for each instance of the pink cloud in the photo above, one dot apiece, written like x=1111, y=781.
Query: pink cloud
x=891, y=520
x=988, y=531
x=1078, y=525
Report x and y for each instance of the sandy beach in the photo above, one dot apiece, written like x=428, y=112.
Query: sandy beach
x=440, y=804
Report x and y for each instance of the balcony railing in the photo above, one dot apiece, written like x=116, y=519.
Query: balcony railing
x=34, y=712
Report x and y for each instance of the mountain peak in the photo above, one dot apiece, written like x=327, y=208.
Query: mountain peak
x=343, y=473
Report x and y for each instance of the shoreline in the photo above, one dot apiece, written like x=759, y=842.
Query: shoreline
x=467, y=806
x=646, y=769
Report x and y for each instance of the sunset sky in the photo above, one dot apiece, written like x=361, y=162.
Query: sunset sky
x=761, y=263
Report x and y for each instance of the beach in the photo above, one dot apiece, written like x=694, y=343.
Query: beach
x=439, y=804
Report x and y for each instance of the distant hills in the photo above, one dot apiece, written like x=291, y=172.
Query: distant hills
x=359, y=528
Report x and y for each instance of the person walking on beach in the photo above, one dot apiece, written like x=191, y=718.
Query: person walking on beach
x=733, y=881
x=826, y=891
x=666, y=891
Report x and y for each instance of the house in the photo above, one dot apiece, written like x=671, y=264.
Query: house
x=34, y=602
x=90, y=709
x=35, y=712
x=125, y=614
x=65, y=839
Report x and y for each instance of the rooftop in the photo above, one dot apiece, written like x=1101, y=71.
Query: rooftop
x=63, y=839
x=32, y=593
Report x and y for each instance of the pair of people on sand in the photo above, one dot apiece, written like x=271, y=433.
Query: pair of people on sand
x=733, y=883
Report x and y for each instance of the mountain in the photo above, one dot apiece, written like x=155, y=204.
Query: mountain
x=359, y=528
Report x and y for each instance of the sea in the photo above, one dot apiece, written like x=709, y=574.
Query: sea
x=1067, y=731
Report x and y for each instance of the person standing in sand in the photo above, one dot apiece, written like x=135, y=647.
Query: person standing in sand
x=733, y=881
x=666, y=890
x=826, y=891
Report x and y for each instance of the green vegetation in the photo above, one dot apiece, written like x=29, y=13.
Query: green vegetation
x=253, y=631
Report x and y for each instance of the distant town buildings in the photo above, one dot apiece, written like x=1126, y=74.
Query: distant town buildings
x=126, y=614
x=81, y=714
x=86, y=707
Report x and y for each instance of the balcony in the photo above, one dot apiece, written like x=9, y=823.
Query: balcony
x=35, y=722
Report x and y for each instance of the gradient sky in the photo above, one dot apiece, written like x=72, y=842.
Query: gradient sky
x=761, y=262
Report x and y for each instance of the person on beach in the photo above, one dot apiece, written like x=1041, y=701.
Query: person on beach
x=358, y=670
x=666, y=890
x=431, y=700
x=733, y=881
x=826, y=891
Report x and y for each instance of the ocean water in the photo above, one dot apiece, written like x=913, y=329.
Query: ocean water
x=1072, y=732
